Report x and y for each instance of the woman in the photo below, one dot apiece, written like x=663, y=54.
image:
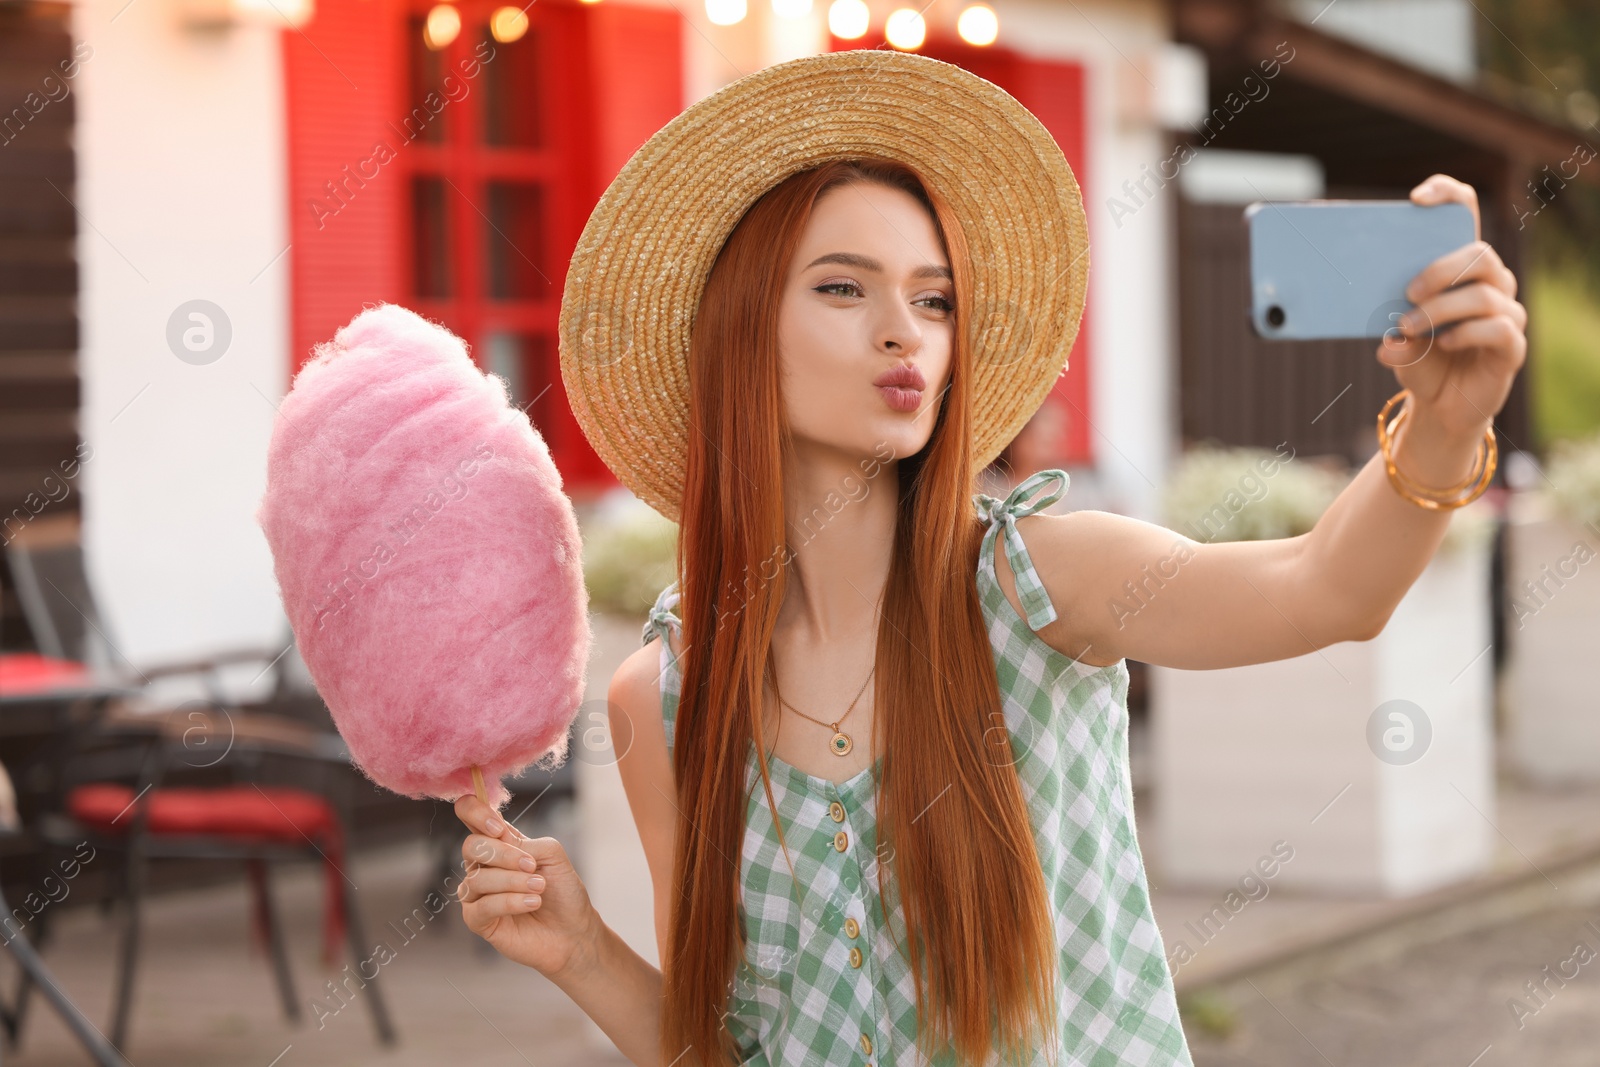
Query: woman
x=886, y=808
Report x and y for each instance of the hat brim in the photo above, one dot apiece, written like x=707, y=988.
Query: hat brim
x=640, y=265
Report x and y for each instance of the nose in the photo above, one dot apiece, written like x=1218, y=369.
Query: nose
x=898, y=330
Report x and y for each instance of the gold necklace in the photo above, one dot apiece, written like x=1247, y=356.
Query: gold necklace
x=839, y=744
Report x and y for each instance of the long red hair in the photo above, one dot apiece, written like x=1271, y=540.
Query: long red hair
x=982, y=944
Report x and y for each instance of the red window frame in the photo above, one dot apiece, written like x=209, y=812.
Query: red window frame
x=554, y=51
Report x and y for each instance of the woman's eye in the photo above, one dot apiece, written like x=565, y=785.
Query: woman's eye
x=838, y=285
x=851, y=287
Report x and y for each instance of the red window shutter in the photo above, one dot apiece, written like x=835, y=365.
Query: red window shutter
x=1054, y=91
x=636, y=60
x=341, y=81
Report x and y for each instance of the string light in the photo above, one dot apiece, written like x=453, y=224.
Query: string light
x=848, y=19
x=444, y=23
x=978, y=24
x=508, y=24
x=905, y=29
x=725, y=12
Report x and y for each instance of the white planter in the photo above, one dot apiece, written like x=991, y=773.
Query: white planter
x=1245, y=757
x=1552, y=643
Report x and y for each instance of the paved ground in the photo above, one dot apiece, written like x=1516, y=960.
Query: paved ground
x=1447, y=1004
x=205, y=995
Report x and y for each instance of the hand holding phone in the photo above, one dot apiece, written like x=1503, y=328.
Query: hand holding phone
x=1322, y=269
x=1439, y=296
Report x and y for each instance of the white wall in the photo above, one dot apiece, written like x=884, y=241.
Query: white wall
x=181, y=196
x=1132, y=294
x=1438, y=36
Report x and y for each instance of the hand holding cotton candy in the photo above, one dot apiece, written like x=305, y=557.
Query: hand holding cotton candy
x=428, y=559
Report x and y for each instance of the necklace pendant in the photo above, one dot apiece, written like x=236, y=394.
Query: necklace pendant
x=841, y=743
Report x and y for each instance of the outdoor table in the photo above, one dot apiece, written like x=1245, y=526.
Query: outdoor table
x=57, y=689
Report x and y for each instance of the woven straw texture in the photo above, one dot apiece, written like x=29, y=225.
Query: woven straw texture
x=640, y=265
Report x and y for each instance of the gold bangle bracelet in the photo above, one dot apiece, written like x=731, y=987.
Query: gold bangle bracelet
x=1485, y=460
x=1424, y=496
x=1415, y=488
x=1388, y=436
x=1418, y=495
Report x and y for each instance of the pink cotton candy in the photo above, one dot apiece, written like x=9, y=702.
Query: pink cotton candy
x=428, y=559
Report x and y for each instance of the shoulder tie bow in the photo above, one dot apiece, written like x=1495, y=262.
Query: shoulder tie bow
x=1002, y=515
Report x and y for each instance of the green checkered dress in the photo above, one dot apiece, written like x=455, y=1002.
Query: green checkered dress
x=808, y=992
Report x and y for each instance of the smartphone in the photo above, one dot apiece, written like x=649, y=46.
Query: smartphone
x=1323, y=269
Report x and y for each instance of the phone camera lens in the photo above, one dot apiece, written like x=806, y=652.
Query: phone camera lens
x=1274, y=316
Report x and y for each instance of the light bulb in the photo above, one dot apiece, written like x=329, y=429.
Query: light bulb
x=848, y=19
x=508, y=24
x=725, y=12
x=905, y=28
x=978, y=24
x=444, y=22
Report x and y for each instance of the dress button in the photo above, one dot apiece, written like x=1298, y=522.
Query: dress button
x=851, y=927
x=866, y=1044
x=855, y=956
x=836, y=809
x=841, y=841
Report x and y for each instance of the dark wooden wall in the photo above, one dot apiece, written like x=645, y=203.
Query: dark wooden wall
x=1322, y=397
x=1237, y=389
x=39, y=391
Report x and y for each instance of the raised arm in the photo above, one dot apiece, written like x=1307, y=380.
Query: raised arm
x=1199, y=606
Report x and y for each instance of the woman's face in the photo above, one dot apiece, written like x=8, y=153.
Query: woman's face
x=868, y=291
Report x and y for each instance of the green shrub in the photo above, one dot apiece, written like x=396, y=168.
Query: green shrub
x=1246, y=494
x=1564, y=359
x=1208, y=1011
x=629, y=556
x=1574, y=473
x=1255, y=494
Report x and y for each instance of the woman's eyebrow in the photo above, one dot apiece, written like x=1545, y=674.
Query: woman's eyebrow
x=852, y=259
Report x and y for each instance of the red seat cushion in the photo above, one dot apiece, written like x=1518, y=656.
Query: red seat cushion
x=268, y=813
x=240, y=813
x=29, y=672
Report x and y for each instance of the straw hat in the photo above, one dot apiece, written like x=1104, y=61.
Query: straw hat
x=636, y=276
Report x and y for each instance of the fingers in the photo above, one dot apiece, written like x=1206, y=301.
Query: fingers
x=1496, y=332
x=1462, y=302
x=487, y=881
x=479, y=851
x=1410, y=354
x=481, y=913
x=479, y=816
x=1477, y=261
x=1442, y=189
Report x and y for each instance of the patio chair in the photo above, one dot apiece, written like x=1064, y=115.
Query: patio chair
x=249, y=819
x=45, y=557
x=33, y=968
x=286, y=798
